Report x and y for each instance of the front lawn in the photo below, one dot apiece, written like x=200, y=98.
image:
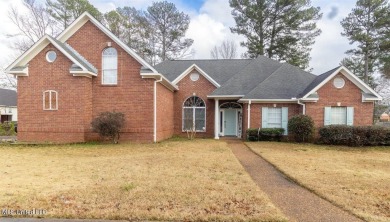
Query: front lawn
x=173, y=180
x=358, y=179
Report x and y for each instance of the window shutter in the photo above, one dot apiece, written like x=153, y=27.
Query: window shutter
x=349, y=116
x=327, y=116
x=264, y=117
x=284, y=119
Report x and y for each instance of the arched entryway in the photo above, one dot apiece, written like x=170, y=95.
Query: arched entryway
x=230, y=119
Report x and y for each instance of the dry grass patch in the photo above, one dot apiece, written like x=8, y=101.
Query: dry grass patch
x=356, y=179
x=174, y=180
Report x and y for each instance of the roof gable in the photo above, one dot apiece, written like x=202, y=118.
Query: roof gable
x=189, y=70
x=327, y=76
x=20, y=65
x=80, y=21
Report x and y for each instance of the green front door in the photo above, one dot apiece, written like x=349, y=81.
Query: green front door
x=230, y=128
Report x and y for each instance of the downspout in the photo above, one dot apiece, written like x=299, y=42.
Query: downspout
x=249, y=114
x=155, y=109
x=303, y=107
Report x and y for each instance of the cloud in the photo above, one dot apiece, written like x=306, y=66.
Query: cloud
x=333, y=13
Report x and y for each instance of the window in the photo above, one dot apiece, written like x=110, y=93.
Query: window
x=110, y=66
x=275, y=117
x=338, y=115
x=194, y=77
x=50, y=100
x=51, y=56
x=194, y=114
x=339, y=82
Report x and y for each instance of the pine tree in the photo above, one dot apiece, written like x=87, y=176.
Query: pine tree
x=170, y=26
x=66, y=11
x=366, y=27
x=280, y=29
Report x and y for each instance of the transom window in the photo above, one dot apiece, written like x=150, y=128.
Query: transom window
x=275, y=117
x=110, y=66
x=50, y=100
x=338, y=115
x=194, y=114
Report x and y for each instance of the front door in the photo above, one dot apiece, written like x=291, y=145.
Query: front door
x=230, y=126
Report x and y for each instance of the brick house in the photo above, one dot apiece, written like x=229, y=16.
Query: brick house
x=64, y=82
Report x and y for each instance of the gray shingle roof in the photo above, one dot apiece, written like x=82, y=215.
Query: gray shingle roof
x=284, y=83
x=260, y=78
x=80, y=59
x=220, y=70
x=249, y=77
x=8, y=97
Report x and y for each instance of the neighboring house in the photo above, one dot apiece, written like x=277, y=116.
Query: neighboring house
x=8, y=105
x=64, y=82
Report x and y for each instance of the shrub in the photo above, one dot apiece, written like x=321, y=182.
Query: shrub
x=108, y=125
x=301, y=127
x=354, y=135
x=265, y=134
x=7, y=129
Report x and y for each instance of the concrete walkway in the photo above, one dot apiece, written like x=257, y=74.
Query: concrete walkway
x=296, y=202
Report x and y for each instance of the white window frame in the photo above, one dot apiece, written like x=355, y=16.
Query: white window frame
x=280, y=117
x=194, y=114
x=50, y=93
x=103, y=69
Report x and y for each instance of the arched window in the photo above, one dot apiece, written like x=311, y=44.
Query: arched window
x=110, y=66
x=194, y=114
x=50, y=100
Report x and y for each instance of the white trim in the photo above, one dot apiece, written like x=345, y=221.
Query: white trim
x=216, y=120
x=165, y=81
x=222, y=114
x=82, y=73
x=353, y=78
x=50, y=105
x=23, y=72
x=225, y=97
x=33, y=49
x=155, y=110
x=268, y=100
x=109, y=84
x=194, y=108
x=38, y=47
x=249, y=114
x=47, y=56
x=80, y=21
x=189, y=70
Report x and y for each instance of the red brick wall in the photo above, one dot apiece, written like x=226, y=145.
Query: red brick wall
x=165, y=113
x=69, y=122
x=350, y=95
x=256, y=111
x=201, y=88
x=132, y=96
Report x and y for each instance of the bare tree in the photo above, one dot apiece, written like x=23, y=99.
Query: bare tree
x=32, y=25
x=227, y=50
x=7, y=81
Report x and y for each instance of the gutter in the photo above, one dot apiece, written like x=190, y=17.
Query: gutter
x=155, y=109
x=303, y=106
x=249, y=113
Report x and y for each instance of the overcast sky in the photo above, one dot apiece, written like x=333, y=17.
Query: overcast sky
x=210, y=22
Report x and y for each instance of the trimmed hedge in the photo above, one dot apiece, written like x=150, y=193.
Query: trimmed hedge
x=354, y=135
x=301, y=127
x=265, y=134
